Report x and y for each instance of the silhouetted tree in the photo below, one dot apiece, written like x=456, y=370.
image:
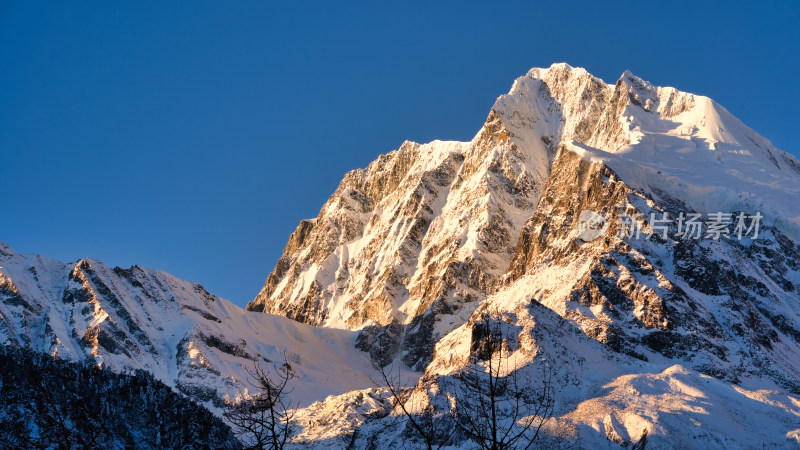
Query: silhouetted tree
x=488, y=403
x=263, y=420
x=496, y=406
x=421, y=416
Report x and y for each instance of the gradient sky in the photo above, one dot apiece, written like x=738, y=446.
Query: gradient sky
x=192, y=137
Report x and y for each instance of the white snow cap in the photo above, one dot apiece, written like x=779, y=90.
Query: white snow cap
x=658, y=139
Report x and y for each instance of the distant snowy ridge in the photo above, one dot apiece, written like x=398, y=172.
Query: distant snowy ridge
x=138, y=318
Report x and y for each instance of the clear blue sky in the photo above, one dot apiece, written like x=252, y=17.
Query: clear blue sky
x=192, y=137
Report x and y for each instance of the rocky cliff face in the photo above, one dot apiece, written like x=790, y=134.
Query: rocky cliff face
x=421, y=233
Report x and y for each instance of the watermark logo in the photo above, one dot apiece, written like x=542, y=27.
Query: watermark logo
x=591, y=225
x=686, y=226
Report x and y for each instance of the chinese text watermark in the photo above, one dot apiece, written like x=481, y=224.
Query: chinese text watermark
x=715, y=226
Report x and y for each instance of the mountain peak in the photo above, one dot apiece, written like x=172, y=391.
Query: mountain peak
x=541, y=72
x=360, y=252
x=629, y=76
x=659, y=139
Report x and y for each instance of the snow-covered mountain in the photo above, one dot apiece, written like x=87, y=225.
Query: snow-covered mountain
x=138, y=318
x=414, y=248
x=414, y=242
x=695, y=340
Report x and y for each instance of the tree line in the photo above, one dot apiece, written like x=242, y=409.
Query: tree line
x=47, y=403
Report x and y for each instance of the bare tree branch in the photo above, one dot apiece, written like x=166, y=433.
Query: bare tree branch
x=435, y=435
x=264, y=420
x=495, y=409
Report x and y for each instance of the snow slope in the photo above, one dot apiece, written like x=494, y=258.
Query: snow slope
x=605, y=399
